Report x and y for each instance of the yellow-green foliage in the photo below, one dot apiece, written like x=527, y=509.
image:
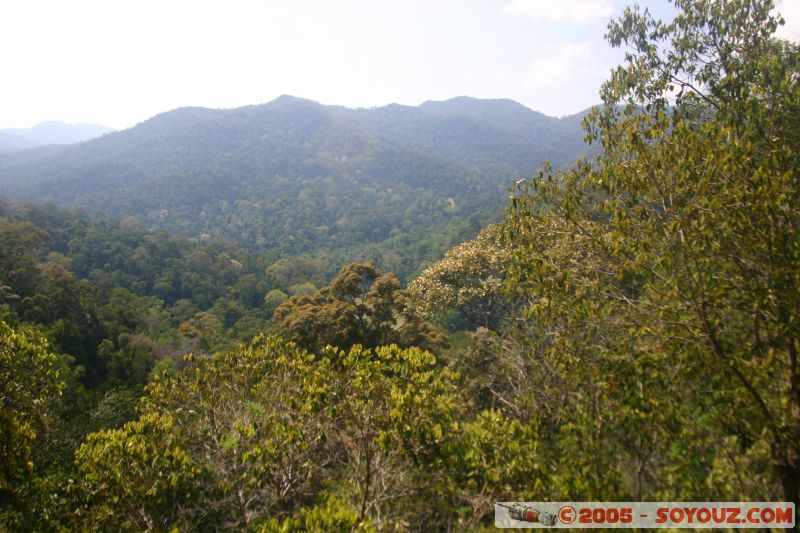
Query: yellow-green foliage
x=663, y=276
x=30, y=385
x=268, y=429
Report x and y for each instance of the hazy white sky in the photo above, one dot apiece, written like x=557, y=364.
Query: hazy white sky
x=118, y=62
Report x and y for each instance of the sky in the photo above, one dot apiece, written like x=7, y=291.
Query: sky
x=119, y=62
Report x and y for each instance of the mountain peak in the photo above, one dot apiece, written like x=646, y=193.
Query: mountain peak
x=495, y=111
x=466, y=102
x=287, y=100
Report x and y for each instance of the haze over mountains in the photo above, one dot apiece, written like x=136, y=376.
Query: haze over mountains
x=51, y=132
x=303, y=177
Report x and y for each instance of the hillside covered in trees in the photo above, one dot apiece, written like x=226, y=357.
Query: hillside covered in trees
x=627, y=332
x=396, y=185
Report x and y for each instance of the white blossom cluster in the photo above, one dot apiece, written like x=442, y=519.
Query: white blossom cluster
x=470, y=274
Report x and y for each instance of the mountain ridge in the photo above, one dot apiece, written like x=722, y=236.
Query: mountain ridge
x=48, y=133
x=301, y=176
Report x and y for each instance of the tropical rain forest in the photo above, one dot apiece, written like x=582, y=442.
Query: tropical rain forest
x=359, y=330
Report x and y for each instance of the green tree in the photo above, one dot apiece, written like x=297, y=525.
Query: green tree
x=19, y=242
x=137, y=477
x=273, y=299
x=269, y=431
x=30, y=388
x=225, y=442
x=663, y=275
x=362, y=306
x=295, y=270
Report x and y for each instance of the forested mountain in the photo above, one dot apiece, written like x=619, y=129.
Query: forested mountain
x=628, y=332
x=303, y=177
x=51, y=132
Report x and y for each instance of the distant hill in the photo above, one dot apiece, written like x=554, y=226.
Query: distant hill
x=11, y=143
x=303, y=177
x=49, y=133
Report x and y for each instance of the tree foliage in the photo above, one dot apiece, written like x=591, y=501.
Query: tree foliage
x=360, y=306
x=635, y=320
x=30, y=388
x=664, y=274
x=304, y=178
x=271, y=431
x=469, y=280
